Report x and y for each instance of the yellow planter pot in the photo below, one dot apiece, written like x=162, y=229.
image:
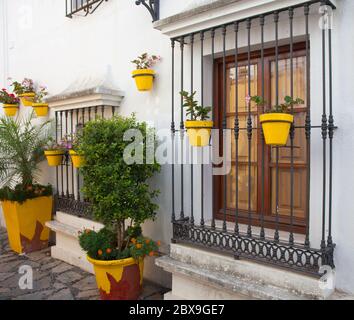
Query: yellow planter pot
x=27, y=98
x=119, y=279
x=144, y=79
x=54, y=157
x=199, y=132
x=10, y=109
x=76, y=159
x=25, y=223
x=276, y=127
x=41, y=109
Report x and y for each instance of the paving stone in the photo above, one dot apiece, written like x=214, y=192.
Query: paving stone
x=44, y=283
x=50, y=265
x=5, y=275
x=41, y=295
x=64, y=294
x=10, y=266
x=87, y=283
x=62, y=268
x=36, y=256
x=69, y=277
x=58, y=285
x=11, y=282
x=88, y=294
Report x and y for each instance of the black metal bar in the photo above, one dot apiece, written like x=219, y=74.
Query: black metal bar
x=77, y=171
x=249, y=129
x=213, y=115
x=324, y=133
x=308, y=126
x=87, y=8
x=173, y=218
x=236, y=127
x=292, y=130
x=191, y=166
x=102, y=111
x=113, y=111
x=67, y=157
x=224, y=226
x=182, y=129
x=61, y=166
x=276, y=21
x=72, y=167
x=330, y=135
x=262, y=232
x=202, y=103
x=56, y=140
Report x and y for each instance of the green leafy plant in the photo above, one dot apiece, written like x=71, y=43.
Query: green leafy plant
x=195, y=111
x=40, y=94
x=21, y=149
x=8, y=98
x=280, y=108
x=120, y=195
x=25, y=86
x=145, y=61
x=102, y=245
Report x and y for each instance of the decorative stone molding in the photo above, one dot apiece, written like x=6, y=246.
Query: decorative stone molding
x=84, y=98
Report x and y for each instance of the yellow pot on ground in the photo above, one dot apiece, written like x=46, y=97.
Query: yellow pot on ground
x=144, y=79
x=76, y=159
x=27, y=98
x=119, y=279
x=54, y=157
x=41, y=109
x=25, y=223
x=199, y=132
x=276, y=127
x=10, y=109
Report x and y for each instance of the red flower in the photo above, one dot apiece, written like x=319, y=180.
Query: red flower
x=12, y=95
x=3, y=89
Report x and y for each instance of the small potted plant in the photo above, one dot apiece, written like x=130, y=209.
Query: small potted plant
x=26, y=205
x=72, y=143
x=54, y=153
x=122, y=200
x=198, y=127
x=276, y=122
x=39, y=106
x=144, y=75
x=10, y=102
x=25, y=90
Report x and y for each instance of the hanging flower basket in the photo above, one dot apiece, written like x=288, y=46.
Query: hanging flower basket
x=41, y=109
x=10, y=109
x=54, y=157
x=144, y=79
x=199, y=132
x=76, y=159
x=27, y=98
x=276, y=127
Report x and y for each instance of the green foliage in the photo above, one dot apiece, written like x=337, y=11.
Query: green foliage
x=118, y=191
x=281, y=108
x=102, y=245
x=8, y=98
x=21, y=193
x=144, y=61
x=21, y=150
x=25, y=86
x=195, y=111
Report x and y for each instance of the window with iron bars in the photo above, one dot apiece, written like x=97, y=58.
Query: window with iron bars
x=261, y=209
x=81, y=7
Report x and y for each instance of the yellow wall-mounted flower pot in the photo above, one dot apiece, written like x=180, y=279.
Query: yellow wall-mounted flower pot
x=54, y=157
x=41, y=109
x=276, y=127
x=199, y=132
x=76, y=159
x=27, y=98
x=10, y=109
x=119, y=279
x=144, y=79
x=25, y=223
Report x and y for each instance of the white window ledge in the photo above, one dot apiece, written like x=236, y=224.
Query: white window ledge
x=218, y=13
x=96, y=96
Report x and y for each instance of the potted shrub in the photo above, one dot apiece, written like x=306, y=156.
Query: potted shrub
x=54, y=153
x=10, y=102
x=25, y=90
x=198, y=127
x=144, y=75
x=39, y=106
x=122, y=200
x=276, y=122
x=26, y=205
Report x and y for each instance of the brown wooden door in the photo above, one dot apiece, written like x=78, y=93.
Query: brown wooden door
x=300, y=165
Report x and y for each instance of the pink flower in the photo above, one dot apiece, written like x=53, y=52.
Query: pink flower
x=3, y=89
x=248, y=99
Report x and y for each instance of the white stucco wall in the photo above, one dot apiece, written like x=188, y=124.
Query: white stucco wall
x=38, y=41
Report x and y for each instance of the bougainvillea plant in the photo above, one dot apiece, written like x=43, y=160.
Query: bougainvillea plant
x=40, y=94
x=25, y=86
x=146, y=61
x=8, y=98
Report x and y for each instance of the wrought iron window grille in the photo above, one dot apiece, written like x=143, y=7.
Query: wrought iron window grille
x=253, y=243
x=75, y=7
x=153, y=6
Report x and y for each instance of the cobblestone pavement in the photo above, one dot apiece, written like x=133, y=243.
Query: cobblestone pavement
x=52, y=279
